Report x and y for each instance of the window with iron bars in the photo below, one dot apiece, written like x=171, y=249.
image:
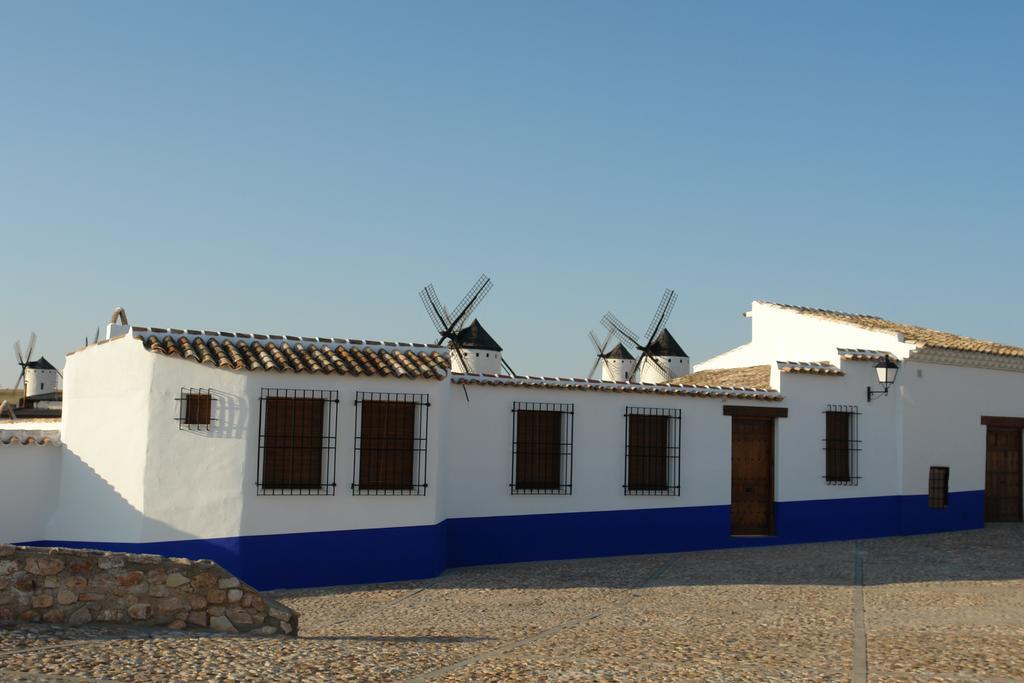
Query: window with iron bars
x=938, y=487
x=842, y=445
x=652, y=451
x=390, y=444
x=195, y=408
x=542, y=435
x=297, y=442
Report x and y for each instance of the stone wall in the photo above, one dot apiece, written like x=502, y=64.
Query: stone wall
x=75, y=587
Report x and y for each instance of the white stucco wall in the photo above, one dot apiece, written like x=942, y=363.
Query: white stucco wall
x=800, y=458
x=40, y=381
x=784, y=334
x=942, y=408
x=28, y=496
x=106, y=391
x=217, y=470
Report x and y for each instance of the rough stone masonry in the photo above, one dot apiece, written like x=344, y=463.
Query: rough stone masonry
x=76, y=587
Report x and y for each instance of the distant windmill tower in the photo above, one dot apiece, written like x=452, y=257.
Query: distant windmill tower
x=471, y=348
x=661, y=357
x=38, y=376
x=616, y=365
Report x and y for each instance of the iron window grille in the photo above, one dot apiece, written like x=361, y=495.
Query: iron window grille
x=652, y=451
x=297, y=442
x=938, y=487
x=390, y=444
x=194, y=408
x=842, y=445
x=542, y=436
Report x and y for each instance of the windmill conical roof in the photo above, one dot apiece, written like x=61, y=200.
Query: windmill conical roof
x=619, y=352
x=474, y=336
x=40, y=364
x=666, y=345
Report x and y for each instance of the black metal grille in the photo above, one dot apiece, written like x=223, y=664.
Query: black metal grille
x=195, y=408
x=390, y=444
x=938, y=487
x=842, y=445
x=542, y=435
x=297, y=442
x=652, y=451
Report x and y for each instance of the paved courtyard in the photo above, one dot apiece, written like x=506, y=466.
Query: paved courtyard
x=938, y=607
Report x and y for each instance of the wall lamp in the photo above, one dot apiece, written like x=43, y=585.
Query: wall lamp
x=886, y=371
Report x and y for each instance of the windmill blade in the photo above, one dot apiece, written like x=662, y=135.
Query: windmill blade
x=668, y=302
x=508, y=367
x=600, y=349
x=20, y=378
x=665, y=372
x=436, y=311
x=469, y=302
x=17, y=353
x=616, y=327
x=31, y=347
x=96, y=339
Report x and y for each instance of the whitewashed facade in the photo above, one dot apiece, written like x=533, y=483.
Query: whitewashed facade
x=123, y=473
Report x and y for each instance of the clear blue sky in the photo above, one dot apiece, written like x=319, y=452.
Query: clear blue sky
x=307, y=167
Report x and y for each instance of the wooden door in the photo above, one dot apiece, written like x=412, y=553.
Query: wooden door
x=1003, y=475
x=753, y=490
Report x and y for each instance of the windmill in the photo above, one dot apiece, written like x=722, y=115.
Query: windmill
x=39, y=373
x=658, y=344
x=24, y=361
x=615, y=364
x=452, y=327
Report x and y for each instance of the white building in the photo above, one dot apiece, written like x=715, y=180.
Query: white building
x=361, y=461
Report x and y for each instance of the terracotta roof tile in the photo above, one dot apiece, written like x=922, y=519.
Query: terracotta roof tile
x=862, y=354
x=913, y=334
x=38, y=439
x=298, y=354
x=810, y=368
x=753, y=377
x=580, y=384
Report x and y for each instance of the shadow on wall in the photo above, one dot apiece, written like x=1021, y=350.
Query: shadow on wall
x=89, y=508
x=229, y=417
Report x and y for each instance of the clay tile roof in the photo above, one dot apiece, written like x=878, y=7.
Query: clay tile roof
x=754, y=377
x=323, y=355
x=581, y=384
x=862, y=354
x=913, y=334
x=821, y=368
x=48, y=438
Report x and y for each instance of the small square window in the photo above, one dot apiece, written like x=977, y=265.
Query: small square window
x=842, y=445
x=195, y=408
x=938, y=487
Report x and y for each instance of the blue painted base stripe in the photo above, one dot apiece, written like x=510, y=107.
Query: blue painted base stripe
x=392, y=554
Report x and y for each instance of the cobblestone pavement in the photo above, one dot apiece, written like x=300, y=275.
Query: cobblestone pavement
x=937, y=607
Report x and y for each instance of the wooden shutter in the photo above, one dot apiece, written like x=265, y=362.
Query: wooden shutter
x=938, y=487
x=539, y=449
x=648, y=453
x=293, y=443
x=197, y=409
x=387, y=434
x=837, y=446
